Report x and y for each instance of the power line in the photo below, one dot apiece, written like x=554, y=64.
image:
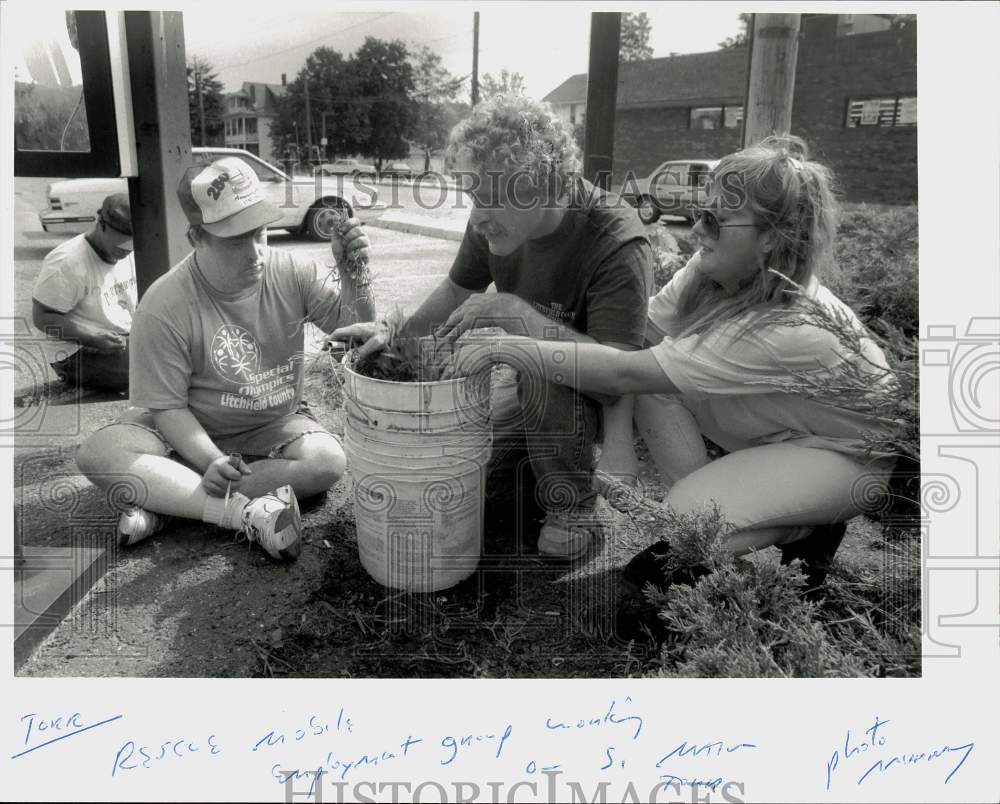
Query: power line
x=308, y=42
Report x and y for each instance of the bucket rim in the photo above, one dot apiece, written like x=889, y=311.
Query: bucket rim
x=349, y=370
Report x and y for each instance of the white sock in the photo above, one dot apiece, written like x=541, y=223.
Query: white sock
x=218, y=512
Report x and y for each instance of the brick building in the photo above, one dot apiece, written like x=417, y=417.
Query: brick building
x=855, y=104
x=248, y=115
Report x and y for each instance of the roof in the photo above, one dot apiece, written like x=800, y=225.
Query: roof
x=263, y=97
x=718, y=76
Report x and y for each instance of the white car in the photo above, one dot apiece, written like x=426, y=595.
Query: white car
x=348, y=167
x=672, y=189
x=309, y=205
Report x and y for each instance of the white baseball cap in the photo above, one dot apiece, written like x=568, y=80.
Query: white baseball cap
x=225, y=198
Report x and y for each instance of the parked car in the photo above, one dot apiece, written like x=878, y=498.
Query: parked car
x=672, y=189
x=309, y=205
x=397, y=170
x=348, y=167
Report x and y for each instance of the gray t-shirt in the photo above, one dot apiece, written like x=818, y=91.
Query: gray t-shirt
x=234, y=360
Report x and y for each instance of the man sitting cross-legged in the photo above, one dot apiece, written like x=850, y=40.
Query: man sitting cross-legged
x=216, y=368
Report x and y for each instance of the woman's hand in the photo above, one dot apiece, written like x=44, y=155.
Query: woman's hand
x=222, y=476
x=504, y=310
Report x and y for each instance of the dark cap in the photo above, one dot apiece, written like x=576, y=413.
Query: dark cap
x=115, y=212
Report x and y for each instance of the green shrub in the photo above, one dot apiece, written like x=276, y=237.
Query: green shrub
x=875, y=267
x=670, y=253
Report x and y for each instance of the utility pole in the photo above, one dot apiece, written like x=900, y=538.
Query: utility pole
x=475, y=58
x=774, y=48
x=201, y=104
x=309, y=129
x=602, y=97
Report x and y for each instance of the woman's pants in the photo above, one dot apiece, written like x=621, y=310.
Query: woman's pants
x=771, y=495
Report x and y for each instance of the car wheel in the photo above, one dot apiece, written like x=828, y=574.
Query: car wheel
x=322, y=220
x=647, y=209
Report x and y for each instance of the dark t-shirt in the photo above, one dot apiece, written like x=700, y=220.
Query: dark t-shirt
x=593, y=273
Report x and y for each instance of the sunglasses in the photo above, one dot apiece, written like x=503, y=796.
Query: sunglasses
x=710, y=221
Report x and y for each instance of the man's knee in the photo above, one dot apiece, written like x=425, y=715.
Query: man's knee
x=322, y=458
x=95, y=455
x=108, y=450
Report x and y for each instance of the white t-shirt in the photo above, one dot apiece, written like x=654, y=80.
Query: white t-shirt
x=74, y=280
x=729, y=383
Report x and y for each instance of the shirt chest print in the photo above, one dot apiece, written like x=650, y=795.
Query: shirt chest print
x=235, y=354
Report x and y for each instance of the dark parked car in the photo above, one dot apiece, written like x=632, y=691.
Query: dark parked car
x=397, y=170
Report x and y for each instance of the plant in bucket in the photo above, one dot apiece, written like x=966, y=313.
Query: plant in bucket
x=417, y=447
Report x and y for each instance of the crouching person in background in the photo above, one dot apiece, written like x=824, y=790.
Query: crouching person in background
x=216, y=368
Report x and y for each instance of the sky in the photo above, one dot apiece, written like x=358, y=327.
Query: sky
x=545, y=43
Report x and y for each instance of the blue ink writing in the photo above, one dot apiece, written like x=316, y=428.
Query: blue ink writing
x=315, y=726
x=912, y=759
x=609, y=717
x=453, y=745
x=716, y=749
x=875, y=740
x=126, y=759
x=64, y=727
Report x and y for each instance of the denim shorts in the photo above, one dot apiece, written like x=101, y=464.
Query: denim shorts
x=266, y=441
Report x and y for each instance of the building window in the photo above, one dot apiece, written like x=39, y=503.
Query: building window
x=881, y=112
x=712, y=117
x=251, y=125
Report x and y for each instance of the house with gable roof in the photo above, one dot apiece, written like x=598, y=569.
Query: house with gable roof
x=248, y=115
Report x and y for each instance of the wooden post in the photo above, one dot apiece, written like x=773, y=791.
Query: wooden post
x=158, y=73
x=774, y=46
x=475, y=58
x=602, y=97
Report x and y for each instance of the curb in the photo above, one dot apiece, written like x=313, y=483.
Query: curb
x=427, y=230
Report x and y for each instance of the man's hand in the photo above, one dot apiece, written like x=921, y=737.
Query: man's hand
x=374, y=335
x=221, y=476
x=350, y=245
x=505, y=310
x=108, y=341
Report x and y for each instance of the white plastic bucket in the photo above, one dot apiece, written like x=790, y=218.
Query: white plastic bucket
x=417, y=453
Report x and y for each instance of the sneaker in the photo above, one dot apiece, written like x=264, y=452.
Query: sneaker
x=138, y=524
x=273, y=522
x=568, y=536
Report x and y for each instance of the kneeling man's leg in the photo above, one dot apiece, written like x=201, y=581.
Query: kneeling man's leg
x=562, y=428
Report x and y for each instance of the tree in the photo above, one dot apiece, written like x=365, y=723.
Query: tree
x=332, y=93
x=201, y=75
x=383, y=76
x=635, y=38
x=740, y=40
x=437, y=111
x=50, y=118
x=507, y=83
